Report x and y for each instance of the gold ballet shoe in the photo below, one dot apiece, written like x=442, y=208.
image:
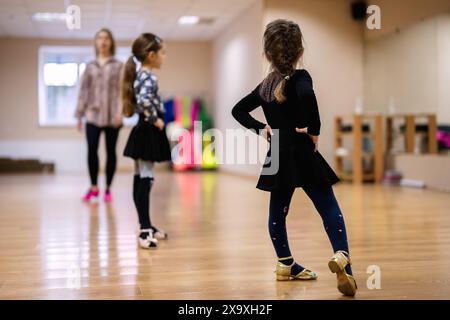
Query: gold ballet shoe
x=346, y=284
x=283, y=272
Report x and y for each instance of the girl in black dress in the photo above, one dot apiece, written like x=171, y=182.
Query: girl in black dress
x=290, y=107
x=148, y=141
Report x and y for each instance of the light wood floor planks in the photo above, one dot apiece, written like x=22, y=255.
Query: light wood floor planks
x=55, y=247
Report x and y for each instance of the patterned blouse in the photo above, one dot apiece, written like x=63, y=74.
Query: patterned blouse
x=98, y=99
x=148, y=100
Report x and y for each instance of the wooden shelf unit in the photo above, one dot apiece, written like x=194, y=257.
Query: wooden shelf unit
x=410, y=131
x=357, y=155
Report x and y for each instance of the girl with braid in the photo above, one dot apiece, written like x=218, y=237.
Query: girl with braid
x=290, y=106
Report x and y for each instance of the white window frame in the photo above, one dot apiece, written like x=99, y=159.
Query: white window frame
x=43, y=121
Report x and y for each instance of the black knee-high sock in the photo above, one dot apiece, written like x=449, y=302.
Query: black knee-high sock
x=143, y=202
x=136, y=181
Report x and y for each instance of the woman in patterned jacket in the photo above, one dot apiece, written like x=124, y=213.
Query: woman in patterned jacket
x=98, y=103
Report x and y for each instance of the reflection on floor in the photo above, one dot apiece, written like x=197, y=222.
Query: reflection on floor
x=55, y=247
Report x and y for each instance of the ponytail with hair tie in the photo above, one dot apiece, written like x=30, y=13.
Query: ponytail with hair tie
x=136, y=62
x=279, y=89
x=127, y=91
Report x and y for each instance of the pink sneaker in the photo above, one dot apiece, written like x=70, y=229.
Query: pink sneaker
x=108, y=196
x=90, y=196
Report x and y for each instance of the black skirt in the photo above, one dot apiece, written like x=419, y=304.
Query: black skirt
x=147, y=142
x=298, y=165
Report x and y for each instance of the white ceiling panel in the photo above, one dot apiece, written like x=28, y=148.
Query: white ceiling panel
x=126, y=18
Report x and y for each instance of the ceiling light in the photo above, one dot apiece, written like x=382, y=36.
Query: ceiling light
x=188, y=20
x=49, y=16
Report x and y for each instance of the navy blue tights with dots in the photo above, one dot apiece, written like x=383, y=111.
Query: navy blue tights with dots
x=326, y=204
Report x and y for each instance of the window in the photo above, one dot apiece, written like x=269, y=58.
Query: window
x=60, y=70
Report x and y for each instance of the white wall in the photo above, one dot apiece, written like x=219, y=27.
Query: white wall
x=403, y=65
x=238, y=69
x=413, y=67
x=443, y=61
x=398, y=14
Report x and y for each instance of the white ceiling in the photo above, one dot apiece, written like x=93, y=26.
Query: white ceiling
x=126, y=18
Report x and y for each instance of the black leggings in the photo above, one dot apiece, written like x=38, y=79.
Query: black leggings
x=93, y=138
x=324, y=200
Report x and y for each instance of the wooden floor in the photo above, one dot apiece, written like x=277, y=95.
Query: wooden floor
x=55, y=247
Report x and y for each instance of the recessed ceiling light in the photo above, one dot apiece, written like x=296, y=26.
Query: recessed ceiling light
x=188, y=20
x=49, y=16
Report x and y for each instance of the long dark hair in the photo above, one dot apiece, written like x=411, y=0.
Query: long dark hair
x=142, y=46
x=112, y=48
x=283, y=47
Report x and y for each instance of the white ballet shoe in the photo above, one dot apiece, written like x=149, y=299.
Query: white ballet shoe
x=150, y=242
